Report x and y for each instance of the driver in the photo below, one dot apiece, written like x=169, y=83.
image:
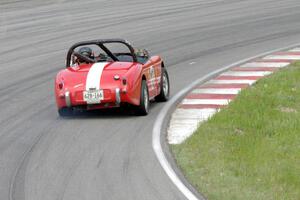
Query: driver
x=86, y=51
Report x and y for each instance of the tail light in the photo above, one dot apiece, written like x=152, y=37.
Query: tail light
x=124, y=81
x=60, y=85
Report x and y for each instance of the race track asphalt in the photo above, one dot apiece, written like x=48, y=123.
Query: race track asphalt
x=108, y=156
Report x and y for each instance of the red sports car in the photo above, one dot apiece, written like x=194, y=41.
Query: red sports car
x=110, y=73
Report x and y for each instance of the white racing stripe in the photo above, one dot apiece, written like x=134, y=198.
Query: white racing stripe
x=205, y=101
x=250, y=82
x=94, y=76
x=250, y=73
x=282, y=57
x=265, y=64
x=216, y=91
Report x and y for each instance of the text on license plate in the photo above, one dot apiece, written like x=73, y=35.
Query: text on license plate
x=94, y=96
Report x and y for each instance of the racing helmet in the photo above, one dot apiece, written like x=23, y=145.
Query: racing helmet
x=86, y=51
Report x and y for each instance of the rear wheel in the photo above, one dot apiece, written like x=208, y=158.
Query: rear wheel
x=65, y=112
x=164, y=87
x=143, y=108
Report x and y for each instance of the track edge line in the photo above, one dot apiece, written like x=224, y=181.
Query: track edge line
x=167, y=109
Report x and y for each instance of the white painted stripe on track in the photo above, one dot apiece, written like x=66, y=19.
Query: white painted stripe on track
x=158, y=124
x=266, y=64
x=216, y=91
x=246, y=73
x=295, y=50
x=185, y=121
x=283, y=57
x=250, y=82
x=205, y=101
x=181, y=113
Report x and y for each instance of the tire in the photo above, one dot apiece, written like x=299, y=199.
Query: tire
x=143, y=108
x=164, y=87
x=65, y=112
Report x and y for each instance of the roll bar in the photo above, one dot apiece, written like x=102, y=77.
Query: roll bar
x=101, y=43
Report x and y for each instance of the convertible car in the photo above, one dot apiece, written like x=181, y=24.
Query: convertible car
x=110, y=73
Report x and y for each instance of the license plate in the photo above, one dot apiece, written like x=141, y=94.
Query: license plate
x=94, y=96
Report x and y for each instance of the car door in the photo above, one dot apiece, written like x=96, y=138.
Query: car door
x=155, y=72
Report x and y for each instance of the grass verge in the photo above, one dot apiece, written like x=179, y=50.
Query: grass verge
x=251, y=149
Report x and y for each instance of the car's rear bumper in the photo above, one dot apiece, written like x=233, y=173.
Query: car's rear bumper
x=111, y=98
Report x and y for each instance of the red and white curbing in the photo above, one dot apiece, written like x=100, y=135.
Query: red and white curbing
x=208, y=98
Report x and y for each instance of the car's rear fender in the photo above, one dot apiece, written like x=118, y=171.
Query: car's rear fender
x=132, y=89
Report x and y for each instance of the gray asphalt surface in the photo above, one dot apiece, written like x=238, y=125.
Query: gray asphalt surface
x=109, y=155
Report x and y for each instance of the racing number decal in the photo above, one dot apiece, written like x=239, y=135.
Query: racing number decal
x=152, y=78
x=152, y=72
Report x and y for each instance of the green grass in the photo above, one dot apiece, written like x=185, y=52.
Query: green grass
x=250, y=150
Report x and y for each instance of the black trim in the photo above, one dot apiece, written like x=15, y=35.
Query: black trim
x=105, y=49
